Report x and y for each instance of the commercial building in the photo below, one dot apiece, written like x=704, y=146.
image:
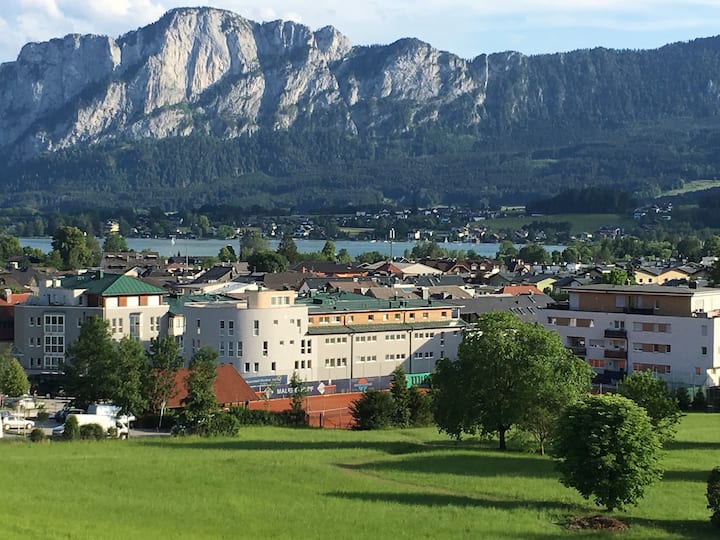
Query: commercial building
x=326, y=337
x=671, y=331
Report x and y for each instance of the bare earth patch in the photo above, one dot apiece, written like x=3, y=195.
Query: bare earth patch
x=596, y=522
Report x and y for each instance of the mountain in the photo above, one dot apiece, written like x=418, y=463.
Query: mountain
x=289, y=96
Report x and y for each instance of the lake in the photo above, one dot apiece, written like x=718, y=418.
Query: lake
x=205, y=248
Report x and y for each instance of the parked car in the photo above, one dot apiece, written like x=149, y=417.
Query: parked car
x=18, y=423
x=63, y=413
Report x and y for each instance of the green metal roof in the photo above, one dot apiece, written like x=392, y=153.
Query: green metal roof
x=344, y=301
x=388, y=327
x=110, y=285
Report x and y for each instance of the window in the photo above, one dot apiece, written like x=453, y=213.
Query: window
x=309, y=364
x=371, y=317
x=231, y=348
x=443, y=314
x=305, y=346
x=197, y=325
x=155, y=324
x=247, y=367
x=222, y=328
x=302, y=364
x=350, y=318
x=397, y=316
x=411, y=316
x=55, y=323
x=231, y=328
x=265, y=349
x=239, y=349
x=135, y=326
x=256, y=367
x=426, y=315
x=275, y=322
x=221, y=350
x=256, y=328
x=297, y=364
x=703, y=351
x=703, y=330
x=54, y=345
x=385, y=316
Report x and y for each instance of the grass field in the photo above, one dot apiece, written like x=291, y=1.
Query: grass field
x=283, y=483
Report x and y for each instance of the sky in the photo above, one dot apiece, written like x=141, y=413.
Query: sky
x=464, y=27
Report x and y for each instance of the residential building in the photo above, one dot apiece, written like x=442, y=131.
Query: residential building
x=47, y=323
x=619, y=329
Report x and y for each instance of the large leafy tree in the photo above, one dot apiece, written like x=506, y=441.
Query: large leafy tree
x=288, y=249
x=607, y=448
x=115, y=242
x=165, y=361
x=9, y=247
x=73, y=248
x=653, y=395
x=13, y=380
x=200, y=401
x=131, y=370
x=561, y=379
x=91, y=363
x=505, y=368
x=252, y=241
x=267, y=261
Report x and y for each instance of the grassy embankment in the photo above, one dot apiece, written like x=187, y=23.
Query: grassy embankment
x=282, y=483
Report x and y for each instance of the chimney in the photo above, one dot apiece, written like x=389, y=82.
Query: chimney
x=7, y=294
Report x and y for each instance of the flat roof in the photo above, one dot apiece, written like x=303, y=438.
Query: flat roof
x=645, y=289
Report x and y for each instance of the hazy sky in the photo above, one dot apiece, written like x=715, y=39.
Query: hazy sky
x=464, y=27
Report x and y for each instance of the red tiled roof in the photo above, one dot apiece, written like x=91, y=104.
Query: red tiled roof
x=16, y=298
x=520, y=289
x=230, y=388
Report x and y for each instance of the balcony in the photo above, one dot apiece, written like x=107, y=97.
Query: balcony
x=578, y=351
x=621, y=354
x=616, y=333
x=639, y=311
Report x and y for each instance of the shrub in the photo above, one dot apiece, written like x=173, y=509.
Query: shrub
x=257, y=417
x=222, y=425
x=683, y=398
x=699, y=402
x=42, y=416
x=72, y=429
x=37, y=435
x=713, y=496
x=373, y=410
x=94, y=432
x=420, y=408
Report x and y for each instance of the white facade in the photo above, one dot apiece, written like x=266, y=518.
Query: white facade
x=48, y=323
x=264, y=336
x=673, y=332
x=271, y=336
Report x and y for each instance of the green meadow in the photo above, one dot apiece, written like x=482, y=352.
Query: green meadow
x=285, y=483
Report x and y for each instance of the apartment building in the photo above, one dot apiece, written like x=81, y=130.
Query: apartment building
x=47, y=323
x=671, y=331
x=326, y=337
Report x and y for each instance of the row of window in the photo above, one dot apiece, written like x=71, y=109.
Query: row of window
x=339, y=339
x=336, y=319
x=47, y=362
x=427, y=354
x=335, y=362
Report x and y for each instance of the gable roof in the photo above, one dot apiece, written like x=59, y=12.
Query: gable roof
x=229, y=387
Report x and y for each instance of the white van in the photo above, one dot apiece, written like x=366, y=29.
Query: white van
x=106, y=422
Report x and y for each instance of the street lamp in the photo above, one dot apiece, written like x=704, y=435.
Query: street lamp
x=392, y=237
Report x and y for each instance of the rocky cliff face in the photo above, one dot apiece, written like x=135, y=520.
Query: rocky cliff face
x=212, y=71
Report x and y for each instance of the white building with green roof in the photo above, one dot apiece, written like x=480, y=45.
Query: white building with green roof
x=47, y=323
